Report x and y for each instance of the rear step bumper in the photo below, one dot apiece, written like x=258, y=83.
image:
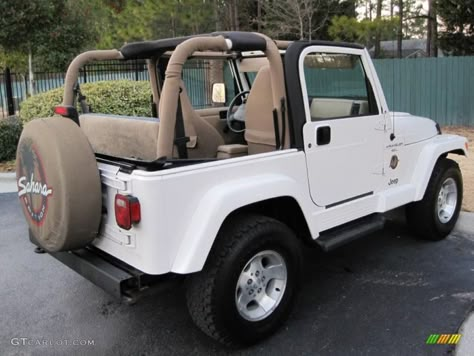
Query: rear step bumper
x=113, y=276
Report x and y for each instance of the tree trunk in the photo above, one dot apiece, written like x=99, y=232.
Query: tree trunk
x=377, y=30
x=400, y=29
x=392, y=4
x=301, y=30
x=216, y=15
x=432, y=36
x=31, y=79
x=231, y=17
x=310, y=25
x=236, y=16
x=259, y=15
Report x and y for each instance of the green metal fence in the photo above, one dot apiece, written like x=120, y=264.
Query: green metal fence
x=439, y=88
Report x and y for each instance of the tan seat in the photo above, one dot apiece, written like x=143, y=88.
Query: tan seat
x=259, y=129
x=204, y=138
x=137, y=137
x=122, y=136
x=231, y=151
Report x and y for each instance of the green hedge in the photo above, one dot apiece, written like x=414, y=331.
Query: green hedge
x=10, y=130
x=122, y=97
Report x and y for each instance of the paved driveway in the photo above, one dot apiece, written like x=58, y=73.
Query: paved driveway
x=383, y=295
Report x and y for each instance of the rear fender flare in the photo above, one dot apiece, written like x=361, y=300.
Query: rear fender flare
x=217, y=204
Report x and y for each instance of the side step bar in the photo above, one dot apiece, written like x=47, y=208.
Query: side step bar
x=338, y=236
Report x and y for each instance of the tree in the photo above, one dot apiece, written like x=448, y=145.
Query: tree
x=400, y=29
x=457, y=17
x=432, y=33
x=25, y=20
x=55, y=30
x=302, y=19
x=350, y=29
x=377, y=33
x=414, y=20
x=151, y=19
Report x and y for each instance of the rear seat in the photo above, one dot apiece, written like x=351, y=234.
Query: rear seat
x=122, y=136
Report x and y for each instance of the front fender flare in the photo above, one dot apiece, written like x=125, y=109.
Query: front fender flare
x=438, y=146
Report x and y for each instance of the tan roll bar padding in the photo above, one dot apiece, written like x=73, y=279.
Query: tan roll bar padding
x=154, y=82
x=170, y=92
x=278, y=83
x=73, y=71
x=283, y=44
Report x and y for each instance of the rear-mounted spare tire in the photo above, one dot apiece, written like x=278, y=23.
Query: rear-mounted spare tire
x=58, y=184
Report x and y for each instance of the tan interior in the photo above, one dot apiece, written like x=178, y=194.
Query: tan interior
x=204, y=138
x=213, y=117
x=171, y=87
x=122, y=136
x=232, y=151
x=328, y=108
x=149, y=138
x=137, y=137
x=253, y=64
x=259, y=128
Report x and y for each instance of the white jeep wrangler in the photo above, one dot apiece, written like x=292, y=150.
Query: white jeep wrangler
x=306, y=151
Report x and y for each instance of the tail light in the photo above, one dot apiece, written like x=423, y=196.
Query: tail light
x=67, y=111
x=127, y=211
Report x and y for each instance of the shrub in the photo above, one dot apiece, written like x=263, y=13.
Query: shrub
x=122, y=97
x=10, y=130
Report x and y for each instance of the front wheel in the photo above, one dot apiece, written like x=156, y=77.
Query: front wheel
x=434, y=217
x=248, y=285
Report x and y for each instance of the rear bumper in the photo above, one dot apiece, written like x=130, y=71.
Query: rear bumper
x=110, y=274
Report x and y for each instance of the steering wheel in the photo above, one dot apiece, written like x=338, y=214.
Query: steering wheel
x=239, y=115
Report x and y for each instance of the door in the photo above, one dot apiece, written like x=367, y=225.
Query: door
x=344, y=129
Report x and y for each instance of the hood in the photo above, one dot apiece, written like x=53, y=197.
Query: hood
x=414, y=128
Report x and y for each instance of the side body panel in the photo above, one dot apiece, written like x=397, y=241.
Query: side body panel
x=183, y=208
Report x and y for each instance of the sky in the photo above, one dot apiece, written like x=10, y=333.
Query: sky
x=361, y=8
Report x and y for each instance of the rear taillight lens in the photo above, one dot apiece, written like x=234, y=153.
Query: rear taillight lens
x=127, y=211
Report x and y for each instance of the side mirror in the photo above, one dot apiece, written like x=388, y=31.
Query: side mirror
x=218, y=93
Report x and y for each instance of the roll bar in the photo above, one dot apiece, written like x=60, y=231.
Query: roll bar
x=72, y=74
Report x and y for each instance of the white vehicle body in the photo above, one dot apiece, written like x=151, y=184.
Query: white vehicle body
x=351, y=177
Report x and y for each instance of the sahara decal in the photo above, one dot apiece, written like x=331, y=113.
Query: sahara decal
x=33, y=189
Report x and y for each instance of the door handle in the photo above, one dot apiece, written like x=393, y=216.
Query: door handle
x=323, y=135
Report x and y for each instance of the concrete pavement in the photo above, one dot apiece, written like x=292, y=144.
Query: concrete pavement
x=466, y=344
x=465, y=227
x=7, y=183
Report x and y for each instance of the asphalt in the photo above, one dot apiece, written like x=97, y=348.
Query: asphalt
x=383, y=295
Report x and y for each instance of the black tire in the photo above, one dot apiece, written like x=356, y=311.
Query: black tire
x=211, y=293
x=422, y=216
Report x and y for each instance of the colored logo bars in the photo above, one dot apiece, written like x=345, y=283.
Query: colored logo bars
x=443, y=339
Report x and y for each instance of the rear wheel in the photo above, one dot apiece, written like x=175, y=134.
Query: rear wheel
x=434, y=217
x=248, y=285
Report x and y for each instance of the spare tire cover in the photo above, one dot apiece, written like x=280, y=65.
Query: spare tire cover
x=58, y=184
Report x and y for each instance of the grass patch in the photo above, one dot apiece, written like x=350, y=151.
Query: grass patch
x=8, y=166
